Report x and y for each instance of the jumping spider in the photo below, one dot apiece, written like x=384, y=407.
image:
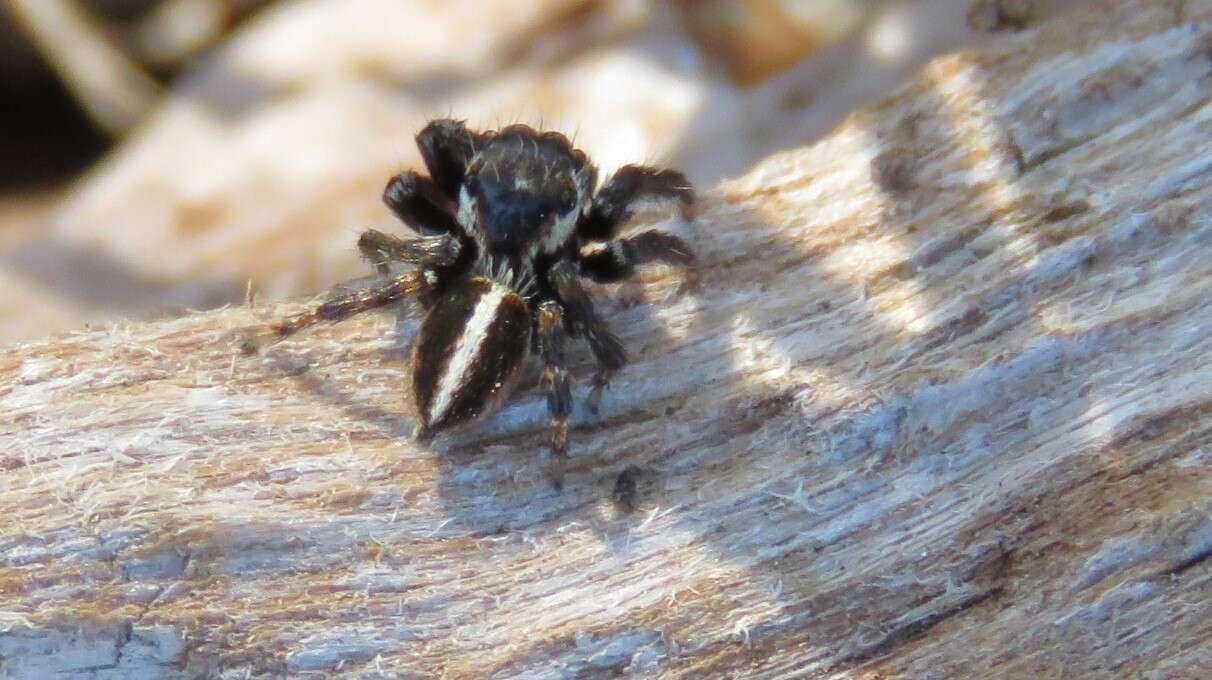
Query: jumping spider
x=503, y=220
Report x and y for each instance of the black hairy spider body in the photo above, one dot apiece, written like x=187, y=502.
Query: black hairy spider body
x=503, y=222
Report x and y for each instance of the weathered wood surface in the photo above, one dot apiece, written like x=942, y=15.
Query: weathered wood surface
x=940, y=409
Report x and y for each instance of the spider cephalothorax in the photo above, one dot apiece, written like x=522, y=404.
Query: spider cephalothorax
x=503, y=220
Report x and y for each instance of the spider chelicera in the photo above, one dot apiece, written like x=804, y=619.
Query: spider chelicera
x=503, y=222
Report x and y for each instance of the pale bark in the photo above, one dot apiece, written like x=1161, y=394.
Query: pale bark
x=939, y=409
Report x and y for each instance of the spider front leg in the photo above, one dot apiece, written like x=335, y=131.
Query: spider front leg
x=428, y=251
x=420, y=203
x=344, y=305
x=618, y=260
x=447, y=146
x=578, y=307
x=612, y=206
x=551, y=335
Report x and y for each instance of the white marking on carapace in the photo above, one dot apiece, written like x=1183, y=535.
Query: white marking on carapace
x=560, y=231
x=563, y=226
x=467, y=218
x=467, y=210
x=469, y=346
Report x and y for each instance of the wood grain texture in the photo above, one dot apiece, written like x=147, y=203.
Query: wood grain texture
x=940, y=409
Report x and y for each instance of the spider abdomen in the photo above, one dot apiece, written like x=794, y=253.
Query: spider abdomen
x=469, y=353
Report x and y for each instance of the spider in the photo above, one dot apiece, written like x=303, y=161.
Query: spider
x=503, y=222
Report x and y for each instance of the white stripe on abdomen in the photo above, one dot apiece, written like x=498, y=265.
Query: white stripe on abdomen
x=470, y=345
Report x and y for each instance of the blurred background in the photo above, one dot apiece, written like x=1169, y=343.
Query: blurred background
x=164, y=155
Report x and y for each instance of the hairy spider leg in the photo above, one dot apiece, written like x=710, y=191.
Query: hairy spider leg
x=578, y=309
x=342, y=306
x=447, y=147
x=612, y=206
x=551, y=336
x=427, y=251
x=420, y=204
x=619, y=259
